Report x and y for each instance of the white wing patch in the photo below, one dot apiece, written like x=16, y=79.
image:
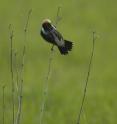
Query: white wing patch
x=58, y=42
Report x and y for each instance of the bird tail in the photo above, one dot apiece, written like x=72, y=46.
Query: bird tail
x=67, y=47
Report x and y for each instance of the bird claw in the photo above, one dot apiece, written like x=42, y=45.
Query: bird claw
x=52, y=49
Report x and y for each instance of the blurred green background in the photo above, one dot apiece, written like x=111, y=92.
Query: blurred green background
x=67, y=79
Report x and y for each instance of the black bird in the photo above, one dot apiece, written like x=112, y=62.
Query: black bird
x=51, y=35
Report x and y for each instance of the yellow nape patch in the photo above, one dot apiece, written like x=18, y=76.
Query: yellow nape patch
x=46, y=21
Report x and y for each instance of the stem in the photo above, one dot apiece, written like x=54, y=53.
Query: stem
x=58, y=18
x=3, y=105
x=45, y=90
x=20, y=86
x=12, y=74
x=20, y=89
x=27, y=22
x=87, y=79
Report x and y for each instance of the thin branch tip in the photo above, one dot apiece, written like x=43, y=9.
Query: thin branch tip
x=87, y=79
x=28, y=17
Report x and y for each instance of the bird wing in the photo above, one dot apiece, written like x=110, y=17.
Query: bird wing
x=48, y=37
x=57, y=37
x=53, y=36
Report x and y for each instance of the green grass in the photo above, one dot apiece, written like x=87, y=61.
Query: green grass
x=66, y=83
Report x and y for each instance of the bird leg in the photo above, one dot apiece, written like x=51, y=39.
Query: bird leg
x=52, y=48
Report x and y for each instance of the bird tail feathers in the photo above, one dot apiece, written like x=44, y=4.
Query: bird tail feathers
x=66, y=48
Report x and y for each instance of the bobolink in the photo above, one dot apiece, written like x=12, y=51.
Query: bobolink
x=51, y=35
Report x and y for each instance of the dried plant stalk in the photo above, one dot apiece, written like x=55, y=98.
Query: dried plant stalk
x=12, y=74
x=87, y=79
x=45, y=90
x=3, y=104
x=20, y=84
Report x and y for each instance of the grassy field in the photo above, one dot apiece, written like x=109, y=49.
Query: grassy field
x=68, y=73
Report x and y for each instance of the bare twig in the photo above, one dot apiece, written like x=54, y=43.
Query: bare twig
x=45, y=92
x=27, y=22
x=18, y=91
x=20, y=86
x=25, y=33
x=58, y=17
x=3, y=104
x=19, y=103
x=12, y=74
x=17, y=73
x=87, y=79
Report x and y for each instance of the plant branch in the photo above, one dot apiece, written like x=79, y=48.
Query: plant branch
x=87, y=79
x=20, y=86
x=12, y=74
x=58, y=17
x=45, y=90
x=27, y=22
x=3, y=104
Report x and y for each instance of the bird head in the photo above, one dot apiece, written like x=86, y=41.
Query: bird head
x=46, y=21
x=46, y=24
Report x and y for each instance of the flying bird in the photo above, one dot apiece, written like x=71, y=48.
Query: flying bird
x=51, y=35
